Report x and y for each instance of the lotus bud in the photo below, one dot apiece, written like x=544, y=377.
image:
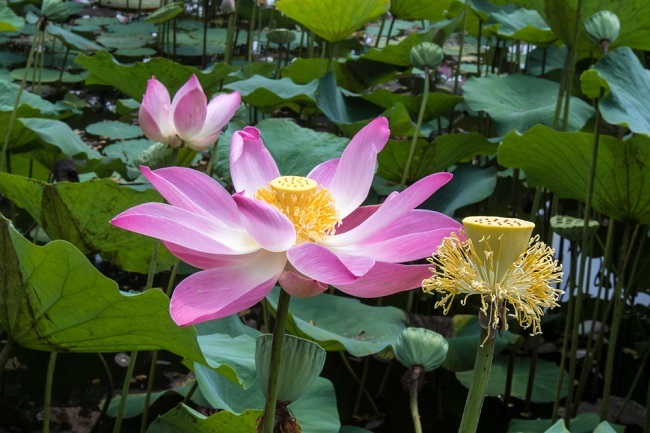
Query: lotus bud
x=602, y=28
x=281, y=36
x=571, y=228
x=426, y=54
x=54, y=10
x=421, y=347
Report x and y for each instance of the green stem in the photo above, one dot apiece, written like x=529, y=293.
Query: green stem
x=482, y=366
x=48, y=392
x=461, y=40
x=381, y=30
x=230, y=38
x=4, y=356
x=640, y=372
x=282, y=312
x=390, y=30
x=191, y=392
x=12, y=118
x=251, y=33
x=616, y=321
x=362, y=386
x=350, y=370
x=204, y=56
x=577, y=315
x=415, y=412
x=531, y=376
x=125, y=392
x=147, y=397
x=478, y=47
x=423, y=106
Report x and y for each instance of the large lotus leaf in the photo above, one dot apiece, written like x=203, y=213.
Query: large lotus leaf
x=338, y=323
x=9, y=21
x=315, y=410
x=561, y=161
x=399, y=54
x=518, y=102
x=47, y=75
x=80, y=213
x=432, y=10
x=264, y=92
x=135, y=402
x=546, y=374
x=132, y=79
x=634, y=16
x=53, y=298
x=462, y=346
x=628, y=83
x=114, y=130
x=546, y=59
x=334, y=20
x=122, y=40
x=512, y=22
x=341, y=107
x=184, y=419
x=438, y=103
x=439, y=155
x=72, y=40
x=583, y=423
x=295, y=149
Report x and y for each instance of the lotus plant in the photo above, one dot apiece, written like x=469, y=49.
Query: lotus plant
x=188, y=119
x=303, y=232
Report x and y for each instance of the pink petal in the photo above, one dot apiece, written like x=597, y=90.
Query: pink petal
x=220, y=111
x=357, y=216
x=189, y=110
x=299, y=286
x=317, y=262
x=324, y=172
x=251, y=164
x=202, y=260
x=385, y=279
x=356, y=169
x=194, y=191
x=266, y=224
x=396, y=206
x=154, y=114
x=176, y=225
x=228, y=289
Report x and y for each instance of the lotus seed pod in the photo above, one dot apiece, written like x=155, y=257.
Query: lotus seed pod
x=571, y=228
x=281, y=36
x=603, y=26
x=301, y=363
x=426, y=54
x=421, y=347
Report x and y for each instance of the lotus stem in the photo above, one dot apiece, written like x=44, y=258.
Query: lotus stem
x=530, y=385
x=413, y=401
x=362, y=386
x=48, y=392
x=418, y=125
x=635, y=382
x=4, y=356
x=478, y=47
x=125, y=392
x=191, y=392
x=251, y=32
x=616, y=318
x=381, y=30
x=350, y=370
x=575, y=327
x=12, y=118
x=480, y=377
x=461, y=40
x=282, y=312
x=390, y=30
x=230, y=36
x=204, y=57
x=109, y=393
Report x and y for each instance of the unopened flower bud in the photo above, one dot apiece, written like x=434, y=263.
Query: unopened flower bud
x=54, y=10
x=602, y=27
x=421, y=347
x=426, y=54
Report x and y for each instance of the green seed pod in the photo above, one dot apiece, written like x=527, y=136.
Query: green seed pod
x=426, y=54
x=571, y=228
x=301, y=364
x=421, y=347
x=54, y=10
x=281, y=36
x=603, y=26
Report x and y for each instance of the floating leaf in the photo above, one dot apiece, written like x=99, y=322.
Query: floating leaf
x=264, y=92
x=358, y=328
x=561, y=162
x=334, y=20
x=518, y=102
x=72, y=40
x=121, y=40
x=132, y=79
x=546, y=374
x=47, y=75
x=419, y=9
x=80, y=213
x=628, y=89
x=114, y=130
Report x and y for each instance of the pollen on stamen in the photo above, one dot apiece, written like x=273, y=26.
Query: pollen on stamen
x=307, y=205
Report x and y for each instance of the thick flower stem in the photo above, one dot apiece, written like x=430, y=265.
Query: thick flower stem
x=482, y=366
x=48, y=392
x=423, y=107
x=281, y=315
x=415, y=412
x=125, y=392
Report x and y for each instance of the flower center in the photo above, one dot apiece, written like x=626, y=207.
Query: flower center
x=309, y=207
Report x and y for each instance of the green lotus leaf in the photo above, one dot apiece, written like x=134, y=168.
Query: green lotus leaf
x=114, y=130
x=358, y=328
x=419, y=9
x=628, y=85
x=47, y=75
x=80, y=213
x=184, y=419
x=165, y=13
x=132, y=79
x=72, y=40
x=518, y=102
x=561, y=162
x=400, y=54
x=9, y=21
x=333, y=20
x=264, y=92
x=512, y=22
x=546, y=374
x=583, y=423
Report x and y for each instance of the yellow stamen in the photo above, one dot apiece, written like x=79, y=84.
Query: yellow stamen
x=307, y=205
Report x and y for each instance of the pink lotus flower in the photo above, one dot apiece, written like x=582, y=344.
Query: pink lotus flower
x=187, y=120
x=305, y=232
